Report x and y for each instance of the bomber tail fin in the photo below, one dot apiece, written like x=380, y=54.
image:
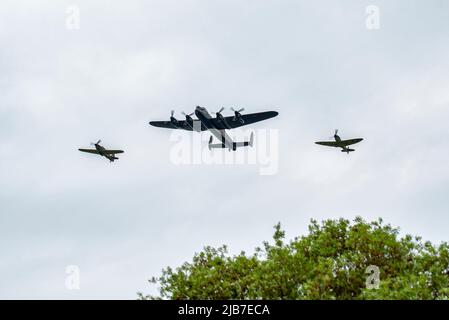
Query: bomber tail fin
x=235, y=144
x=245, y=143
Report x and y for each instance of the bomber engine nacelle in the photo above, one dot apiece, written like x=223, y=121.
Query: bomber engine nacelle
x=173, y=119
x=189, y=120
x=219, y=116
x=238, y=115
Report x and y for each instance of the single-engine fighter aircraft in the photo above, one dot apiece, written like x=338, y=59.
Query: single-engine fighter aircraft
x=338, y=143
x=217, y=126
x=110, y=154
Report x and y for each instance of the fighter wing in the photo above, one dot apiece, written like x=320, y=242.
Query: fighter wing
x=350, y=141
x=112, y=151
x=233, y=122
x=181, y=124
x=94, y=151
x=328, y=143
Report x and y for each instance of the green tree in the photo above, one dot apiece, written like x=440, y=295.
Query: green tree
x=329, y=263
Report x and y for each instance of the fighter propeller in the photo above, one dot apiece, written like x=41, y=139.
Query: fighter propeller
x=95, y=144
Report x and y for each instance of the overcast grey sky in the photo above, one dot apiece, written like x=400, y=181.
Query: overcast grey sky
x=315, y=62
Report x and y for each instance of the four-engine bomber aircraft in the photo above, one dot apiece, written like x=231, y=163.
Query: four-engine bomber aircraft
x=217, y=125
x=338, y=143
x=110, y=154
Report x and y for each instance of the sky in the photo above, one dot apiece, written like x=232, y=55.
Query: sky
x=73, y=72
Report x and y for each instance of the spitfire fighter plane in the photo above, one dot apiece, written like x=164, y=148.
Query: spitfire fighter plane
x=338, y=143
x=100, y=150
x=216, y=125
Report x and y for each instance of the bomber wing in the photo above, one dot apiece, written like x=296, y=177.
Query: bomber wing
x=181, y=124
x=232, y=122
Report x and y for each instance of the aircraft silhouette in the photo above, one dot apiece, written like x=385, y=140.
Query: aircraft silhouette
x=216, y=125
x=100, y=150
x=338, y=143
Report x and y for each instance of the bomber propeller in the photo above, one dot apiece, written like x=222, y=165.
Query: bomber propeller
x=172, y=118
x=219, y=115
x=238, y=115
x=188, y=116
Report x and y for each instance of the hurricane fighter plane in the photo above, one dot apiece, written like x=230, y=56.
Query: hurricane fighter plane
x=338, y=143
x=100, y=150
x=216, y=125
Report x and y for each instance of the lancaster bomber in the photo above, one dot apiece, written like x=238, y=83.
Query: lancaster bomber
x=338, y=143
x=100, y=150
x=216, y=125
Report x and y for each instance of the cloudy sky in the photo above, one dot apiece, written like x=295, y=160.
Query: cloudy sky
x=129, y=62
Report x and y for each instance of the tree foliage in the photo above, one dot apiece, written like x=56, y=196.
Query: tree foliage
x=329, y=263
